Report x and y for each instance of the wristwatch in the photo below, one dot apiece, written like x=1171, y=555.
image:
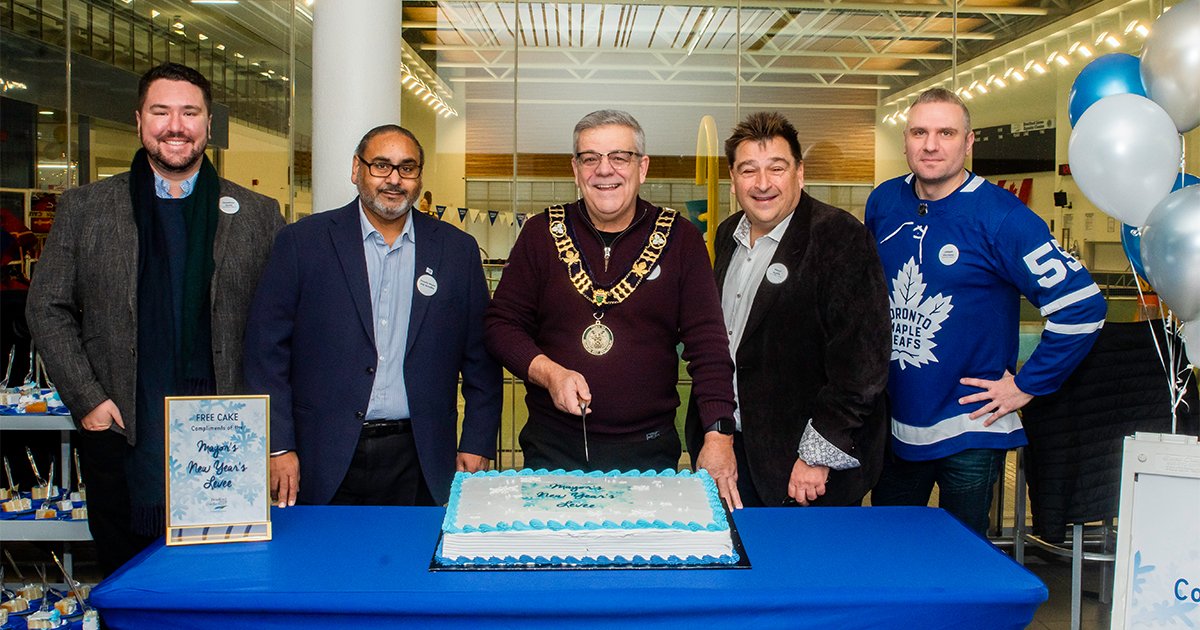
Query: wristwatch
x=724, y=426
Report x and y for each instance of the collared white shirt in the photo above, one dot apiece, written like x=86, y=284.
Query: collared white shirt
x=745, y=274
x=391, y=271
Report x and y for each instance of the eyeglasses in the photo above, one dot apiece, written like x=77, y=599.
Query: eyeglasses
x=381, y=169
x=619, y=160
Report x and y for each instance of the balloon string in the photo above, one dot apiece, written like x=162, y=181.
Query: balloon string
x=1175, y=385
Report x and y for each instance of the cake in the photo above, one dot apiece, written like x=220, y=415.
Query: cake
x=17, y=505
x=559, y=518
x=16, y=604
x=66, y=606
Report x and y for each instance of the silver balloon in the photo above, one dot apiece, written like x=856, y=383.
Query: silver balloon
x=1124, y=154
x=1171, y=64
x=1171, y=253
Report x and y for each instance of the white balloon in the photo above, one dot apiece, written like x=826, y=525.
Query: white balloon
x=1124, y=154
x=1191, y=333
x=1171, y=64
x=1171, y=252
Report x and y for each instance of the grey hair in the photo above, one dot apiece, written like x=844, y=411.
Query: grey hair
x=604, y=117
x=942, y=95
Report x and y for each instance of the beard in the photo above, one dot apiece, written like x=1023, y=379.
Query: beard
x=174, y=163
x=390, y=213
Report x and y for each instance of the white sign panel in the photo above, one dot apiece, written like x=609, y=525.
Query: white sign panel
x=1158, y=534
x=216, y=466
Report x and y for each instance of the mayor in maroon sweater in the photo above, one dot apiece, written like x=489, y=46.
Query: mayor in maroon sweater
x=596, y=297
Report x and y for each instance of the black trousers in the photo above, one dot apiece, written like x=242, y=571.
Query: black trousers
x=102, y=457
x=384, y=471
x=549, y=447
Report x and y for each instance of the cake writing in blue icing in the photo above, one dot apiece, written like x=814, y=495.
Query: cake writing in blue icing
x=542, y=517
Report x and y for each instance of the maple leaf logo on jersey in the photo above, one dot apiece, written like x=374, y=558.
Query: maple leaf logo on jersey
x=915, y=318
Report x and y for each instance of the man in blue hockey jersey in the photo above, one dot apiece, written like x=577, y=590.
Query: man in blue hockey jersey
x=958, y=253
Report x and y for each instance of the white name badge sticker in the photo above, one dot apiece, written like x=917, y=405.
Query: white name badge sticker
x=229, y=205
x=217, y=459
x=777, y=273
x=427, y=285
x=949, y=254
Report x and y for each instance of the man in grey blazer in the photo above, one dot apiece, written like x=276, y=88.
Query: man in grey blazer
x=142, y=292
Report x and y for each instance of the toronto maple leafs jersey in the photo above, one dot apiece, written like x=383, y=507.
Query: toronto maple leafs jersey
x=956, y=270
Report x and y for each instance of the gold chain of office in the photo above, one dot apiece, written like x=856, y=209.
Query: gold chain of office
x=637, y=273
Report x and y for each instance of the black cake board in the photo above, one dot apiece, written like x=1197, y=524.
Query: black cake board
x=743, y=562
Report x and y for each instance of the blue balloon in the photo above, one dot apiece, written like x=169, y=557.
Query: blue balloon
x=1131, y=241
x=1116, y=73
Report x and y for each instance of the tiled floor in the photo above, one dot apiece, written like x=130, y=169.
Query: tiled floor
x=1055, y=614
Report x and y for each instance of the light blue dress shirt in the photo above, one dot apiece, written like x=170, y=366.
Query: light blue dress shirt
x=391, y=272
x=162, y=187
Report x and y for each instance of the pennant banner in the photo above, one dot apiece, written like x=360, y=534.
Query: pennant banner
x=492, y=214
x=475, y=215
x=520, y=220
x=440, y=211
x=462, y=215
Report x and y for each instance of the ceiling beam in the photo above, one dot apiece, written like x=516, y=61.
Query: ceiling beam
x=898, y=72
x=930, y=56
x=656, y=103
x=836, y=5
x=677, y=82
x=879, y=34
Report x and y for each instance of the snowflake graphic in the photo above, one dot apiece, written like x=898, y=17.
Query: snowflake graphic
x=915, y=318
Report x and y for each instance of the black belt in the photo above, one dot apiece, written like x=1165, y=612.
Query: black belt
x=380, y=428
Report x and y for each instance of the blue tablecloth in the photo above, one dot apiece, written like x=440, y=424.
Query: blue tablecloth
x=367, y=567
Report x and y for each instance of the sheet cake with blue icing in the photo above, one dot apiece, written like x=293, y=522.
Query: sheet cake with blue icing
x=560, y=518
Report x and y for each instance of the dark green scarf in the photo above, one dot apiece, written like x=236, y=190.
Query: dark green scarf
x=174, y=342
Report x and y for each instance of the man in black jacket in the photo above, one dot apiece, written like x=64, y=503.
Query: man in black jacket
x=806, y=312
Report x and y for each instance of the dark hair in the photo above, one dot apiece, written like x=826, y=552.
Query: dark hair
x=381, y=129
x=942, y=95
x=174, y=72
x=761, y=127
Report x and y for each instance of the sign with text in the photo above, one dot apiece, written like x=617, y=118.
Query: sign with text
x=216, y=467
x=1158, y=535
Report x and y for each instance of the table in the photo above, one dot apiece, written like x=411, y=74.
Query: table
x=895, y=567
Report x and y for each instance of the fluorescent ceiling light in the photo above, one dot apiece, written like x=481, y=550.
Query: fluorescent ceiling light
x=1108, y=38
x=1136, y=26
x=1083, y=49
